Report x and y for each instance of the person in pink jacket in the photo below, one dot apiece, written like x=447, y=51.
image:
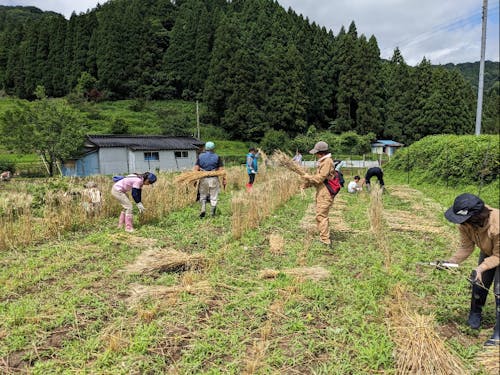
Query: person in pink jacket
x=132, y=183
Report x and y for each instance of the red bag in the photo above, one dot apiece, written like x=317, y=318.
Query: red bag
x=333, y=185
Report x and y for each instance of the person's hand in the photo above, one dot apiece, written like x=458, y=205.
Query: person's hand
x=140, y=207
x=252, y=171
x=479, y=276
x=224, y=182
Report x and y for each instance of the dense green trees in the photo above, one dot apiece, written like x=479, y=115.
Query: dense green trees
x=49, y=128
x=259, y=69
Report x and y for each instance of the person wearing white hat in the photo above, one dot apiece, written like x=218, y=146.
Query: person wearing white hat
x=209, y=186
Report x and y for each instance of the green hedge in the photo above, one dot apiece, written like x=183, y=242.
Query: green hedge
x=465, y=159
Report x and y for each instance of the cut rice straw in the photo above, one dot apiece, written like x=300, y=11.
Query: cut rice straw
x=191, y=176
x=314, y=273
x=490, y=359
x=139, y=292
x=285, y=161
x=164, y=260
x=419, y=349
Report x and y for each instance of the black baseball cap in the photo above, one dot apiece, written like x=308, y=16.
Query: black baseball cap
x=465, y=206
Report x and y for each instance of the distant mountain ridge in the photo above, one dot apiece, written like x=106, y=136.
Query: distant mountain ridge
x=471, y=73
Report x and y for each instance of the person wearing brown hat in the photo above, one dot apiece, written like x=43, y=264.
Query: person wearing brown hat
x=478, y=225
x=324, y=199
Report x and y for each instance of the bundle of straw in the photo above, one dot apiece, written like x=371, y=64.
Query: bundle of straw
x=419, y=349
x=139, y=292
x=162, y=260
x=191, y=176
x=489, y=359
x=314, y=273
x=284, y=160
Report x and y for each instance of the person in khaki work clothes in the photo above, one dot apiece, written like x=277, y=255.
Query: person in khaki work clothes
x=479, y=226
x=324, y=200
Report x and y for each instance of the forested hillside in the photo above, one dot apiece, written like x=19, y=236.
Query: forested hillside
x=257, y=67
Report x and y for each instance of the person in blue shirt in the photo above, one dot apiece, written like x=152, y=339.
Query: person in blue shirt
x=209, y=186
x=252, y=166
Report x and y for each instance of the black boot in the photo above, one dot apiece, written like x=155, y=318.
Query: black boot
x=202, y=214
x=212, y=210
x=476, y=306
x=494, y=340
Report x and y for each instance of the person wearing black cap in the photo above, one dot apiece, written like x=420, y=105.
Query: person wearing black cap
x=479, y=226
x=324, y=199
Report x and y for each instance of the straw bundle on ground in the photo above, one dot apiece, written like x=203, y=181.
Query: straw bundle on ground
x=284, y=160
x=164, y=260
x=192, y=176
x=419, y=349
x=314, y=273
x=139, y=292
x=276, y=244
x=490, y=359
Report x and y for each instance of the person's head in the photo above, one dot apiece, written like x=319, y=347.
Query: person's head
x=467, y=209
x=252, y=150
x=209, y=146
x=356, y=178
x=320, y=149
x=149, y=178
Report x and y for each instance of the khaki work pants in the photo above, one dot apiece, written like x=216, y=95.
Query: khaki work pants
x=323, y=203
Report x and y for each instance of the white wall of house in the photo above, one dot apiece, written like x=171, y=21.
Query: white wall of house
x=113, y=160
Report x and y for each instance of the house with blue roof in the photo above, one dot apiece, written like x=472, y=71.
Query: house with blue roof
x=384, y=146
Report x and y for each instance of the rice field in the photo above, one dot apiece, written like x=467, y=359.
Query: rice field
x=250, y=291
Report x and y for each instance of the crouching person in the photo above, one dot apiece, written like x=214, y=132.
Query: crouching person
x=209, y=186
x=132, y=183
x=479, y=226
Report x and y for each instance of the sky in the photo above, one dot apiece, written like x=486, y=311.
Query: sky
x=447, y=31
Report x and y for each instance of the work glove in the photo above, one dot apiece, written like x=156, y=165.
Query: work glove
x=140, y=207
x=476, y=277
x=253, y=171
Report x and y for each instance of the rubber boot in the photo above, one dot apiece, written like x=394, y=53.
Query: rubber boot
x=494, y=340
x=212, y=210
x=476, y=306
x=249, y=188
x=129, y=223
x=203, y=207
x=121, y=220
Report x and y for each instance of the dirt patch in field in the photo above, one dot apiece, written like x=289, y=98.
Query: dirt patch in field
x=133, y=240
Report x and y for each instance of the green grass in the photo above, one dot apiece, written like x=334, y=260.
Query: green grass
x=63, y=305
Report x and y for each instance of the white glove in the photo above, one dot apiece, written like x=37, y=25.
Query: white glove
x=253, y=171
x=140, y=207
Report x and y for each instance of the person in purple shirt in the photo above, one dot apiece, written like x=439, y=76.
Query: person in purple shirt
x=133, y=183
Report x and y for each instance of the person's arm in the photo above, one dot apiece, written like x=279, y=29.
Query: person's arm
x=197, y=164
x=321, y=175
x=494, y=259
x=136, y=194
x=465, y=249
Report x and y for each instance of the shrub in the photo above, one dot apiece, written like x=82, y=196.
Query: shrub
x=457, y=159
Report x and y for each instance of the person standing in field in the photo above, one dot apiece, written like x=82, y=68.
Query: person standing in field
x=132, y=183
x=324, y=199
x=374, y=172
x=478, y=225
x=252, y=167
x=209, y=186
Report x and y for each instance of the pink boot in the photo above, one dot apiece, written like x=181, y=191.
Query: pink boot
x=121, y=221
x=129, y=226
x=249, y=188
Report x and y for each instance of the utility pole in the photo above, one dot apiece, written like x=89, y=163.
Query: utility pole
x=481, y=71
x=197, y=120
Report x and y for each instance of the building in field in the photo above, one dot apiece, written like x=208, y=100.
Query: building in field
x=387, y=147
x=123, y=154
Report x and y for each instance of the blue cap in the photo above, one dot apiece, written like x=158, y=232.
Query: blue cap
x=151, y=178
x=209, y=146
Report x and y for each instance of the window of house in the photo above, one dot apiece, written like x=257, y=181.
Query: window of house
x=151, y=156
x=181, y=154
